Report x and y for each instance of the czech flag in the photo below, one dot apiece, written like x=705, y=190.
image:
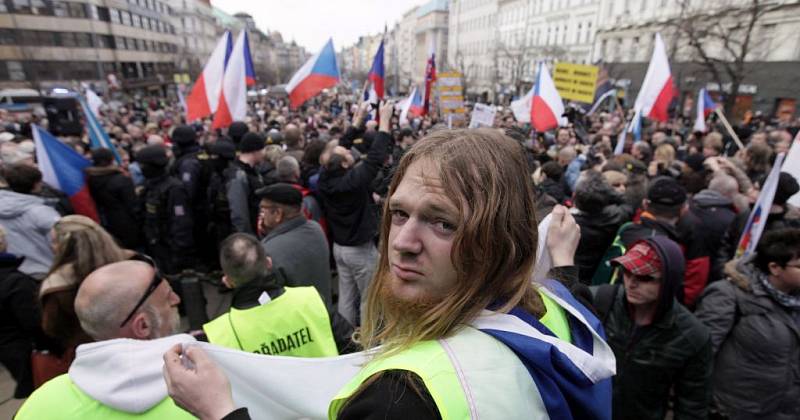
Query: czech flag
x=546, y=107
x=318, y=73
x=376, y=73
x=412, y=105
x=62, y=168
x=657, y=89
x=758, y=216
x=705, y=106
x=430, y=77
x=238, y=75
x=204, y=97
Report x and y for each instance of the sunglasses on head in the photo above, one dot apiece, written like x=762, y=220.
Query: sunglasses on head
x=637, y=277
x=154, y=283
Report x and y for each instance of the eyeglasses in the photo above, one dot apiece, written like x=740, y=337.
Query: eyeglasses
x=637, y=277
x=154, y=283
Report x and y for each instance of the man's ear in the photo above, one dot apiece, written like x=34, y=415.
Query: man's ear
x=141, y=326
x=774, y=268
x=227, y=282
x=268, y=263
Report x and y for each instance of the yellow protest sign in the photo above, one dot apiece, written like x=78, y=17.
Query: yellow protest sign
x=575, y=82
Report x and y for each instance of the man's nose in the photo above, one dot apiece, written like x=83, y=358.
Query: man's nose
x=407, y=240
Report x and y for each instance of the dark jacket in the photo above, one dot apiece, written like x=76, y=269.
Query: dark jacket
x=298, y=247
x=115, y=198
x=709, y=217
x=242, y=200
x=19, y=322
x=671, y=354
x=188, y=170
x=756, y=343
x=347, y=198
x=598, y=230
x=168, y=226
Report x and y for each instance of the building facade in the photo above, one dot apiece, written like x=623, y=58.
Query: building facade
x=764, y=68
x=127, y=44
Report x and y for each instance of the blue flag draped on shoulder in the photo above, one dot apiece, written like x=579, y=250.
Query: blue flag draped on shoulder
x=98, y=138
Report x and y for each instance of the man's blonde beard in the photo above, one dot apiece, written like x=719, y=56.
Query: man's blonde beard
x=404, y=313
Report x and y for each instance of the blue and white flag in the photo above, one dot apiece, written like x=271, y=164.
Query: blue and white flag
x=98, y=138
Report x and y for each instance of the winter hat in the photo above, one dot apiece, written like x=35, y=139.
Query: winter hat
x=281, y=193
x=237, y=130
x=666, y=191
x=223, y=148
x=787, y=187
x=183, y=135
x=251, y=142
x=153, y=155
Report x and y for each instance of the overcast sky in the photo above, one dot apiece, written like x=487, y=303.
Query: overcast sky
x=312, y=22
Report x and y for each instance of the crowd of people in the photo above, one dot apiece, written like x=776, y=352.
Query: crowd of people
x=339, y=228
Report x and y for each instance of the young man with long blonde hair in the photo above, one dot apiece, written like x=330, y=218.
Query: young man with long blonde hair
x=454, y=326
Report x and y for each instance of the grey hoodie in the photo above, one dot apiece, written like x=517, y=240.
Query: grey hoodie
x=27, y=221
x=124, y=374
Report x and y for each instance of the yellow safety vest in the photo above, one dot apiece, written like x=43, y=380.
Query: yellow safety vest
x=296, y=323
x=60, y=399
x=430, y=361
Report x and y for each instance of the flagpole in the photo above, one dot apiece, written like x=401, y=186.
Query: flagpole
x=729, y=128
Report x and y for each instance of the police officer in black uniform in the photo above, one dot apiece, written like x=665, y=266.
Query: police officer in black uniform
x=192, y=168
x=167, y=213
x=221, y=155
x=242, y=187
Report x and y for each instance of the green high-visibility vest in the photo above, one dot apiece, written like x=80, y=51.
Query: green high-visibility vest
x=499, y=384
x=296, y=323
x=60, y=399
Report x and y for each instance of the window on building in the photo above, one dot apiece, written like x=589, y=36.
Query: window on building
x=136, y=20
x=588, y=31
x=119, y=43
x=109, y=68
x=77, y=10
x=21, y=6
x=129, y=70
x=125, y=17
x=7, y=37
x=113, y=15
x=68, y=39
x=15, y=70
x=83, y=40
x=104, y=41
x=102, y=14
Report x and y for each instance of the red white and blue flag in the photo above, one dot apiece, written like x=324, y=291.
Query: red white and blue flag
x=430, y=78
x=547, y=107
x=705, y=106
x=376, y=73
x=411, y=105
x=204, y=97
x=657, y=89
x=320, y=72
x=239, y=74
x=62, y=168
x=758, y=216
